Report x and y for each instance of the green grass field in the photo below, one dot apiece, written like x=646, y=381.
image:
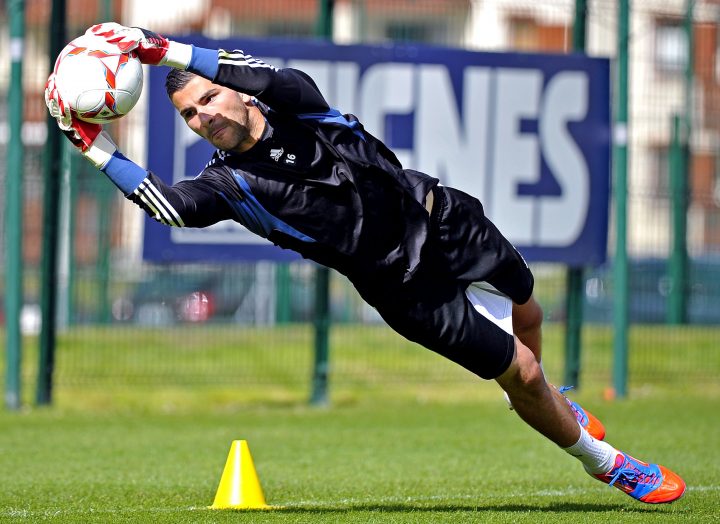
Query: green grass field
x=369, y=462
x=437, y=446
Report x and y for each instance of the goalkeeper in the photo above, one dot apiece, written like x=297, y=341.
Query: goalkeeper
x=306, y=177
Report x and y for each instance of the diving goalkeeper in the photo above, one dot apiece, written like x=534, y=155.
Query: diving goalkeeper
x=299, y=173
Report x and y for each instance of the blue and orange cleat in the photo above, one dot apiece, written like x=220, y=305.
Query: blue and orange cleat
x=650, y=483
x=586, y=419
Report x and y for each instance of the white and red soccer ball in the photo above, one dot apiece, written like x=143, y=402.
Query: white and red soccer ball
x=96, y=80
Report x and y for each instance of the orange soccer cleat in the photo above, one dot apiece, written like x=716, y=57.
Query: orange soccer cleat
x=649, y=483
x=586, y=419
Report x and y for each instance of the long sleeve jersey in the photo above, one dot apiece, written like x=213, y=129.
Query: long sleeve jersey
x=316, y=182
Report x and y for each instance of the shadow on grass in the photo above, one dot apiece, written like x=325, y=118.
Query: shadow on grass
x=560, y=507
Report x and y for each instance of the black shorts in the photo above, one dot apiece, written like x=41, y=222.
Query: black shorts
x=433, y=309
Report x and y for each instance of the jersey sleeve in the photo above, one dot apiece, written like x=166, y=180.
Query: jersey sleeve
x=283, y=90
x=199, y=202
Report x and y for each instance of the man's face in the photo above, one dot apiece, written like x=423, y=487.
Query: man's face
x=225, y=118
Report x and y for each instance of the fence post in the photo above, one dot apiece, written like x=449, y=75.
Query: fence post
x=574, y=290
x=319, y=394
x=620, y=157
x=65, y=255
x=677, y=300
x=104, y=196
x=680, y=173
x=72, y=189
x=13, y=205
x=51, y=221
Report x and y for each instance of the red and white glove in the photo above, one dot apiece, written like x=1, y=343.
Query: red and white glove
x=90, y=139
x=151, y=48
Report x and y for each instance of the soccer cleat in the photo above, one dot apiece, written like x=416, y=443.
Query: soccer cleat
x=586, y=419
x=650, y=483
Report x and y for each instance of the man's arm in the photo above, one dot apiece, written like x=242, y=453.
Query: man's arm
x=202, y=201
x=199, y=202
x=192, y=203
x=284, y=90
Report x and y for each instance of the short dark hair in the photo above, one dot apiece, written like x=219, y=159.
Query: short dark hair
x=177, y=79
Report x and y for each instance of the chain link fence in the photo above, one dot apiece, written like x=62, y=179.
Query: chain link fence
x=125, y=321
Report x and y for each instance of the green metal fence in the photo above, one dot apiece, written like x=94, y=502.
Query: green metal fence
x=249, y=323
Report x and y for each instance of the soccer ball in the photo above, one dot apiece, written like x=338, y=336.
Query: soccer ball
x=99, y=83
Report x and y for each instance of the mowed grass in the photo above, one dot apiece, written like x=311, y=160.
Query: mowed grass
x=370, y=462
x=140, y=433
x=367, y=355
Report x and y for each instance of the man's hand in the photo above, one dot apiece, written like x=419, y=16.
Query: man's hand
x=95, y=144
x=81, y=134
x=150, y=47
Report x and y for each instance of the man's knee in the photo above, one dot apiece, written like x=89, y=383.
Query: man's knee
x=524, y=374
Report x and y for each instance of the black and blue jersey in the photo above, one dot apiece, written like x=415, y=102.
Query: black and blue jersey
x=316, y=182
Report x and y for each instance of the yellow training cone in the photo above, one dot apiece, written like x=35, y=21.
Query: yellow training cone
x=239, y=485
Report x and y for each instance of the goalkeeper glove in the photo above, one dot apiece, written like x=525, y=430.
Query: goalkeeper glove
x=90, y=139
x=151, y=48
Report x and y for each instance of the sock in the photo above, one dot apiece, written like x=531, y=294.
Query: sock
x=597, y=456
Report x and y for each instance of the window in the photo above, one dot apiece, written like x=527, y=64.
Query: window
x=671, y=47
x=661, y=171
x=528, y=34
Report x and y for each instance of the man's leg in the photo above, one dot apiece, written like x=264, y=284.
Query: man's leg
x=538, y=404
x=527, y=326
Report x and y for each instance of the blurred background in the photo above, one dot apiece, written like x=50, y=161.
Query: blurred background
x=122, y=323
